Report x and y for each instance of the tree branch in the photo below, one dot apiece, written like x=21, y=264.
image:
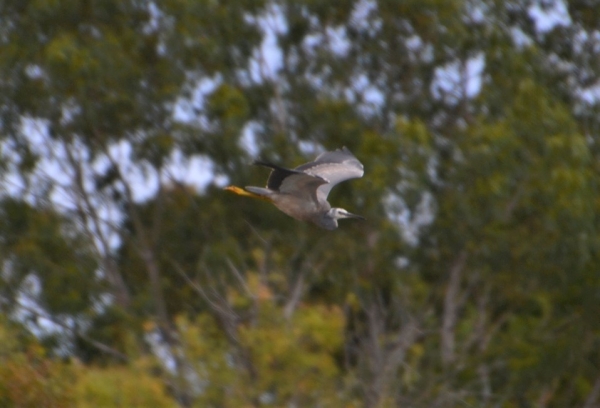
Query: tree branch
x=95, y=343
x=451, y=308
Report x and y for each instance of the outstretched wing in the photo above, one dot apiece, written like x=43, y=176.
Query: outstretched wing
x=293, y=182
x=334, y=167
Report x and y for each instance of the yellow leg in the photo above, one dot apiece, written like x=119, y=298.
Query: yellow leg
x=242, y=192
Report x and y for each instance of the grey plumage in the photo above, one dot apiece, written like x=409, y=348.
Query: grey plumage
x=302, y=192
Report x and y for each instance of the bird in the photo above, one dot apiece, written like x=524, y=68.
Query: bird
x=302, y=192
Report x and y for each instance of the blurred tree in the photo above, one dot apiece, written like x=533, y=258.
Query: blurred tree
x=27, y=377
x=120, y=386
x=45, y=259
x=473, y=282
x=254, y=352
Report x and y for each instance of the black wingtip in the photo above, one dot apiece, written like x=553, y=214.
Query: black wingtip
x=275, y=167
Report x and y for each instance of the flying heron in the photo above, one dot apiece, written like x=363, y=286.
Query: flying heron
x=302, y=192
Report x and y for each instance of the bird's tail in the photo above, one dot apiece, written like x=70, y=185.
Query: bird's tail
x=254, y=192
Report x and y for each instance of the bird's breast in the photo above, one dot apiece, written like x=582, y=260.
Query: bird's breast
x=297, y=208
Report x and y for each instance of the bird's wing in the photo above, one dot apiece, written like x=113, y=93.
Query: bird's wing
x=335, y=166
x=293, y=182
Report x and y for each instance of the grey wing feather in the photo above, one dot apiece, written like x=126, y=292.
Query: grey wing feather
x=278, y=174
x=335, y=166
x=303, y=186
x=293, y=182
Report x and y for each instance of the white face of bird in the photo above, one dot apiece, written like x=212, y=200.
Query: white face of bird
x=340, y=213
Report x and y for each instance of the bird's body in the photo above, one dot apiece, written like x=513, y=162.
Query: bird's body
x=302, y=192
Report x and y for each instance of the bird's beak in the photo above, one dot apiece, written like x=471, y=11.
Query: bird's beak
x=350, y=215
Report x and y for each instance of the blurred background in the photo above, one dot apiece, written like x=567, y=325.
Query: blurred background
x=129, y=278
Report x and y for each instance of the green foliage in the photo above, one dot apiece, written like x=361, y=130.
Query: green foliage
x=38, y=242
x=28, y=378
x=276, y=359
x=119, y=387
x=472, y=282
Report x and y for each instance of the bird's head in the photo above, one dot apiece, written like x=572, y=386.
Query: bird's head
x=340, y=213
x=334, y=214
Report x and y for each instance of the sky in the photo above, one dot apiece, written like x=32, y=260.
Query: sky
x=267, y=61
x=198, y=171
